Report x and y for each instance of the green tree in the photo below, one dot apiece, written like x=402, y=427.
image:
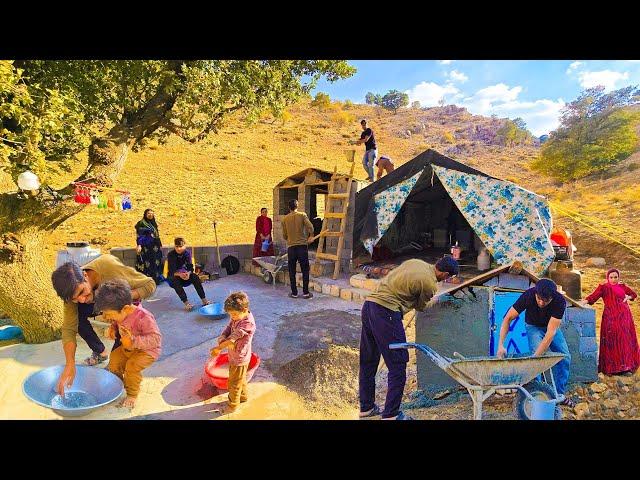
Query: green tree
x=51, y=111
x=321, y=101
x=514, y=132
x=415, y=104
x=590, y=145
x=395, y=100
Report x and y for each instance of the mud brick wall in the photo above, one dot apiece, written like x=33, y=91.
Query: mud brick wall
x=303, y=194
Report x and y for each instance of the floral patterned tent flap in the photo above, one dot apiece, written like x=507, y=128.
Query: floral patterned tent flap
x=387, y=204
x=513, y=223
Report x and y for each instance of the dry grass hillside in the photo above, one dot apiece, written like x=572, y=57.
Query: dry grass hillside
x=230, y=176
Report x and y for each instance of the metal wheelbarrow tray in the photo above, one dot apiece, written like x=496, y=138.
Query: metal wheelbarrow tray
x=271, y=266
x=482, y=376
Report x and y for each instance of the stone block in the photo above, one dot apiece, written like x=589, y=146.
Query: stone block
x=335, y=290
x=357, y=280
x=588, y=344
x=317, y=286
x=371, y=284
x=346, y=294
x=326, y=289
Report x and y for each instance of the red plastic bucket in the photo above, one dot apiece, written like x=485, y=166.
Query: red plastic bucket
x=222, y=360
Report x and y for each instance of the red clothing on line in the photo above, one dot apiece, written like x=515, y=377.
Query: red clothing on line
x=619, y=351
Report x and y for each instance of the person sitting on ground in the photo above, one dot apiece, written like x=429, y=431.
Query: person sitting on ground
x=237, y=338
x=294, y=225
x=545, y=308
x=384, y=164
x=181, y=274
x=140, y=336
x=75, y=285
x=409, y=286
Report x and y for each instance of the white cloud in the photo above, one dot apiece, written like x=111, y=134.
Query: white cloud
x=484, y=100
x=573, y=67
x=445, y=62
x=429, y=93
x=541, y=115
x=608, y=78
x=458, y=76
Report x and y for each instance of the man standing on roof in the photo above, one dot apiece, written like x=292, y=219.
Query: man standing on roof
x=384, y=164
x=409, y=286
x=371, y=151
x=545, y=308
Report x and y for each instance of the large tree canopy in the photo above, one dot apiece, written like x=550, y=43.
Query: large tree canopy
x=597, y=130
x=52, y=110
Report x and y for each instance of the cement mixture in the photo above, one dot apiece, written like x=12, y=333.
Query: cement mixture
x=326, y=378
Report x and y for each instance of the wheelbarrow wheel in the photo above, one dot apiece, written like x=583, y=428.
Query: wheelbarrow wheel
x=267, y=276
x=538, y=390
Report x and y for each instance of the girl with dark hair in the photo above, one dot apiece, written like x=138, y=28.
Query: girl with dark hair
x=149, y=247
x=263, y=232
x=619, y=353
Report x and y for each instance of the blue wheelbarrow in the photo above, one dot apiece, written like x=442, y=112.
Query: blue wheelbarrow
x=483, y=376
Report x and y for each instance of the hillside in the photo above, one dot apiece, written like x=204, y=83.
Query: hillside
x=230, y=176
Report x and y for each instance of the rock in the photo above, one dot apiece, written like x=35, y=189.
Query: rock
x=581, y=409
x=602, y=376
x=611, y=403
x=626, y=380
x=633, y=412
x=595, y=262
x=598, y=387
x=636, y=389
x=624, y=407
x=619, y=383
x=596, y=396
x=608, y=394
x=626, y=389
x=621, y=414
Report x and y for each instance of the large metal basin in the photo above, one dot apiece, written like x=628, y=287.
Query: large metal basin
x=92, y=388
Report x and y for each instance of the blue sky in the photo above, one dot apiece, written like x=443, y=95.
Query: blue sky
x=535, y=90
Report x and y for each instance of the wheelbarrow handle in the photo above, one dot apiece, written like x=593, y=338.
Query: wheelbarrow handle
x=440, y=360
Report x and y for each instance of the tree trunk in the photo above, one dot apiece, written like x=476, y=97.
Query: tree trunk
x=26, y=292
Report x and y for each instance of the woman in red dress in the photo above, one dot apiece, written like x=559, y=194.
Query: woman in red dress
x=619, y=352
x=263, y=232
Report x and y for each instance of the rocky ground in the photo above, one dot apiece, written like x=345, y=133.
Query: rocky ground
x=614, y=397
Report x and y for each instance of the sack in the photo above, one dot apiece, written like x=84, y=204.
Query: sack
x=265, y=244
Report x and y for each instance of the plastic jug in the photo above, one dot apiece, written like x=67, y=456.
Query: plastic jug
x=265, y=245
x=484, y=260
x=455, y=252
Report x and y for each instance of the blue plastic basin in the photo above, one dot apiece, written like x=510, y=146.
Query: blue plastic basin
x=213, y=311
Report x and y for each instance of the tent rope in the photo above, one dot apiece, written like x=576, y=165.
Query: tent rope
x=600, y=232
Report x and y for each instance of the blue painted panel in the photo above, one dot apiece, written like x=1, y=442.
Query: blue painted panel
x=516, y=341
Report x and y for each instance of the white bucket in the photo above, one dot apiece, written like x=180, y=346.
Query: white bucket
x=79, y=255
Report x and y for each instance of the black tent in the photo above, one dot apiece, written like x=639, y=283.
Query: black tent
x=427, y=208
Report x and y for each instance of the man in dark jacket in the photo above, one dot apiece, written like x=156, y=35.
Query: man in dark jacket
x=181, y=273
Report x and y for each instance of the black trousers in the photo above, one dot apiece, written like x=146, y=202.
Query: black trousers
x=86, y=331
x=299, y=253
x=178, y=285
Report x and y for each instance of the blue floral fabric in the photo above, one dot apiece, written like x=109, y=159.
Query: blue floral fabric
x=387, y=206
x=513, y=223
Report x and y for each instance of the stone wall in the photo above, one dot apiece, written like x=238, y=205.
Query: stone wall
x=205, y=255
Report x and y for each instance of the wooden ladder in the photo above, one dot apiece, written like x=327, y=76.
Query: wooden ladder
x=332, y=198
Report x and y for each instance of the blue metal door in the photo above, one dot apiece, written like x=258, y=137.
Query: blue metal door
x=516, y=341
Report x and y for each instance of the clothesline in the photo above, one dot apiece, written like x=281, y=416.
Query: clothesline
x=97, y=187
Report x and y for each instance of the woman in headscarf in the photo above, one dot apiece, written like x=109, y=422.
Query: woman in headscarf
x=149, y=247
x=619, y=352
x=263, y=232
